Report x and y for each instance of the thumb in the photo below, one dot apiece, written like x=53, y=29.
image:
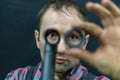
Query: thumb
x=56, y=78
x=83, y=55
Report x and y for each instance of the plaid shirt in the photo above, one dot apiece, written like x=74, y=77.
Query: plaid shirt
x=76, y=73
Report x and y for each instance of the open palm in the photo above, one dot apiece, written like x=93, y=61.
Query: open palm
x=107, y=57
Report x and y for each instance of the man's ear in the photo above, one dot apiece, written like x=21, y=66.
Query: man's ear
x=86, y=41
x=36, y=35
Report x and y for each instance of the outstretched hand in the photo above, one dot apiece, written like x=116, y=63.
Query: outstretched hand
x=107, y=57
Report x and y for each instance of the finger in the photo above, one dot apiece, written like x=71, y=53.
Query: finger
x=103, y=13
x=98, y=9
x=91, y=28
x=82, y=55
x=56, y=78
x=112, y=7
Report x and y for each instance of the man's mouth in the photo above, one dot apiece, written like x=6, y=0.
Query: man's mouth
x=60, y=60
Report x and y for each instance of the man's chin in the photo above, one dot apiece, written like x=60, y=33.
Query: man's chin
x=60, y=69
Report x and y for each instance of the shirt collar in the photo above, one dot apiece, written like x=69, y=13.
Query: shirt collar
x=76, y=73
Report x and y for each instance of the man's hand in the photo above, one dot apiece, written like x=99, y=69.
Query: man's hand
x=56, y=78
x=107, y=57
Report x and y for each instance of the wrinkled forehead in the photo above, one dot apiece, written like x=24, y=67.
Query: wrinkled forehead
x=59, y=15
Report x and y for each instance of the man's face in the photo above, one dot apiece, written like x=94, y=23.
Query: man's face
x=62, y=23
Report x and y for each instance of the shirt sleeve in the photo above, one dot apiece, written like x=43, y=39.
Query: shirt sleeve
x=18, y=74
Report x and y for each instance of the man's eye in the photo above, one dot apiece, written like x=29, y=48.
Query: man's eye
x=52, y=37
x=74, y=38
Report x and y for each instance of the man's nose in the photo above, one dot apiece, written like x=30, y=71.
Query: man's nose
x=61, y=47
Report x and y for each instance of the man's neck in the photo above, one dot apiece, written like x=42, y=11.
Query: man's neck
x=62, y=75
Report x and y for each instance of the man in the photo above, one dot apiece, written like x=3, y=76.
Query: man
x=107, y=57
x=60, y=15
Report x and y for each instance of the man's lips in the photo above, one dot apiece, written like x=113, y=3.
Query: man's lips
x=60, y=60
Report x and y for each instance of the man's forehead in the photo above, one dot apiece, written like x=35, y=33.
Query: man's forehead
x=52, y=14
x=69, y=11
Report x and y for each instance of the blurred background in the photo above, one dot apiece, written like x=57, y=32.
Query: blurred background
x=18, y=20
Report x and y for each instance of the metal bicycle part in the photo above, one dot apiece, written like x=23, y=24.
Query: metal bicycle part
x=52, y=36
x=75, y=38
x=52, y=39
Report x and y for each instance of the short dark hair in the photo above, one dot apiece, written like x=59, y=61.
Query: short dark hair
x=58, y=5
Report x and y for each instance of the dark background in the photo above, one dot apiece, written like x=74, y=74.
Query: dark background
x=18, y=19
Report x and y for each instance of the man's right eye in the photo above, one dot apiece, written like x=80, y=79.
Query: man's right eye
x=52, y=37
